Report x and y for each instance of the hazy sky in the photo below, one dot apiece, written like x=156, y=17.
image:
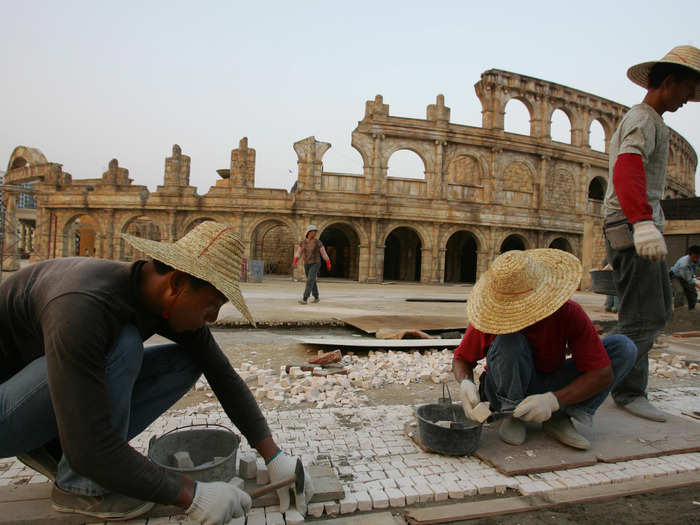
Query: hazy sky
x=88, y=81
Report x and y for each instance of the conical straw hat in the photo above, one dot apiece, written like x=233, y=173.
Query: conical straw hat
x=687, y=56
x=212, y=251
x=521, y=288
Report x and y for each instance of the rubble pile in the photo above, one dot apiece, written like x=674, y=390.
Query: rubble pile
x=672, y=366
x=375, y=370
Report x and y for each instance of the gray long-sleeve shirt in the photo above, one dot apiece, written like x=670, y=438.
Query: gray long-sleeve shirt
x=72, y=310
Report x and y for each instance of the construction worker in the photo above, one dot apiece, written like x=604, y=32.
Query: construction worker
x=684, y=270
x=522, y=320
x=76, y=383
x=634, y=220
x=312, y=250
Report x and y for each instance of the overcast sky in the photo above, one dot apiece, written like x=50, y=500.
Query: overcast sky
x=88, y=81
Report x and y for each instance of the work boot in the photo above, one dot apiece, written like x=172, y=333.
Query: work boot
x=41, y=460
x=302, y=301
x=316, y=299
x=643, y=408
x=513, y=431
x=106, y=507
x=562, y=429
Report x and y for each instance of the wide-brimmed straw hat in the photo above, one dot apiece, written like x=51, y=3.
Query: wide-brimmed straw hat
x=688, y=56
x=521, y=288
x=212, y=251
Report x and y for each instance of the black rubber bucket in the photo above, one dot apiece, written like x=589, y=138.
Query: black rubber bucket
x=213, y=450
x=460, y=440
x=603, y=282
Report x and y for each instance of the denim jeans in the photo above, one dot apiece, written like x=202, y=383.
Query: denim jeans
x=644, y=290
x=141, y=385
x=511, y=375
x=311, y=271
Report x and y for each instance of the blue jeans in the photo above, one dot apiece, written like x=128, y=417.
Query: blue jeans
x=511, y=375
x=141, y=385
x=644, y=289
x=311, y=271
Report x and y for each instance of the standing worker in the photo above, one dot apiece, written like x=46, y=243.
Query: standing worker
x=77, y=383
x=684, y=272
x=634, y=220
x=312, y=251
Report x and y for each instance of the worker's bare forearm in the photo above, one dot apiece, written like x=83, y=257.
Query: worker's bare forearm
x=267, y=448
x=586, y=385
x=462, y=369
x=186, y=495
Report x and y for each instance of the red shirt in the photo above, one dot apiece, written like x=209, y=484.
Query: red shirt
x=568, y=330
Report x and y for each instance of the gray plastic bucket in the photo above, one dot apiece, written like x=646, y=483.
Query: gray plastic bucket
x=203, y=443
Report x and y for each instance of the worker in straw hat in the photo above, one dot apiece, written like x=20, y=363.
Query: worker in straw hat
x=312, y=251
x=522, y=320
x=634, y=220
x=77, y=383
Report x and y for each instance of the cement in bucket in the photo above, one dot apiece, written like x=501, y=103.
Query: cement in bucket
x=204, y=443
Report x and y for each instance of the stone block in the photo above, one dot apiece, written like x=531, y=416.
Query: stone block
x=248, y=467
x=332, y=508
x=396, y=497
x=292, y=517
x=314, y=509
x=348, y=504
x=379, y=499
x=364, y=501
x=411, y=494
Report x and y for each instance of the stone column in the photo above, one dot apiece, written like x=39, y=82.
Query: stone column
x=363, y=264
x=426, y=264
x=10, y=261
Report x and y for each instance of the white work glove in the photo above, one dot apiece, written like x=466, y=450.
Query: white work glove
x=281, y=467
x=216, y=503
x=469, y=395
x=649, y=241
x=537, y=407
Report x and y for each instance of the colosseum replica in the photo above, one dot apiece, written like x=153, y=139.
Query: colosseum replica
x=484, y=191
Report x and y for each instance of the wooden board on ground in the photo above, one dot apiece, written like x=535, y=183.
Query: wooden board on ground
x=371, y=323
x=616, y=435
x=374, y=518
x=370, y=342
x=503, y=506
x=326, y=485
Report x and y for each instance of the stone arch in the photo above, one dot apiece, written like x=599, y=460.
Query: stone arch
x=82, y=236
x=403, y=254
x=597, y=187
x=592, y=141
x=465, y=170
x=23, y=156
x=461, y=257
x=403, y=175
x=561, y=243
x=193, y=223
x=144, y=226
x=513, y=241
x=518, y=176
x=530, y=110
x=571, y=117
x=273, y=241
x=342, y=243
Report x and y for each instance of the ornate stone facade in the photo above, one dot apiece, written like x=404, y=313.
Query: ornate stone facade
x=484, y=191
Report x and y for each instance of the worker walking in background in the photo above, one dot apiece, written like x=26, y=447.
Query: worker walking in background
x=312, y=250
x=634, y=220
x=684, y=272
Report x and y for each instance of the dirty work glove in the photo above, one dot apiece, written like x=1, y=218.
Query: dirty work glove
x=216, y=503
x=328, y=265
x=537, y=407
x=282, y=466
x=469, y=395
x=649, y=241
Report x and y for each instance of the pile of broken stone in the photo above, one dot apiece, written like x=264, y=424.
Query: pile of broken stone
x=672, y=366
x=377, y=369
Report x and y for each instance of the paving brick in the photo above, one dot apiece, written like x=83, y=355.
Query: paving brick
x=313, y=509
x=411, y=494
x=379, y=499
x=364, y=502
x=396, y=497
x=332, y=508
x=348, y=504
x=292, y=517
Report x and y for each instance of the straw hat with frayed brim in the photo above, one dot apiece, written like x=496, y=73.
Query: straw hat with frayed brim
x=212, y=251
x=687, y=56
x=521, y=288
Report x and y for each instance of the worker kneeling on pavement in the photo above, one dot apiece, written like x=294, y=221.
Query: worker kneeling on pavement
x=522, y=319
x=76, y=383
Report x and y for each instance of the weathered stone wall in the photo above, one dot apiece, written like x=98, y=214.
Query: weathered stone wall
x=494, y=187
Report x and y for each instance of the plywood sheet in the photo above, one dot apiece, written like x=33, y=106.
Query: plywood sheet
x=372, y=323
x=370, y=342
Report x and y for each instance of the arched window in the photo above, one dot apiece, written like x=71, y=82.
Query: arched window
x=597, y=188
x=517, y=118
x=596, y=136
x=406, y=164
x=561, y=127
